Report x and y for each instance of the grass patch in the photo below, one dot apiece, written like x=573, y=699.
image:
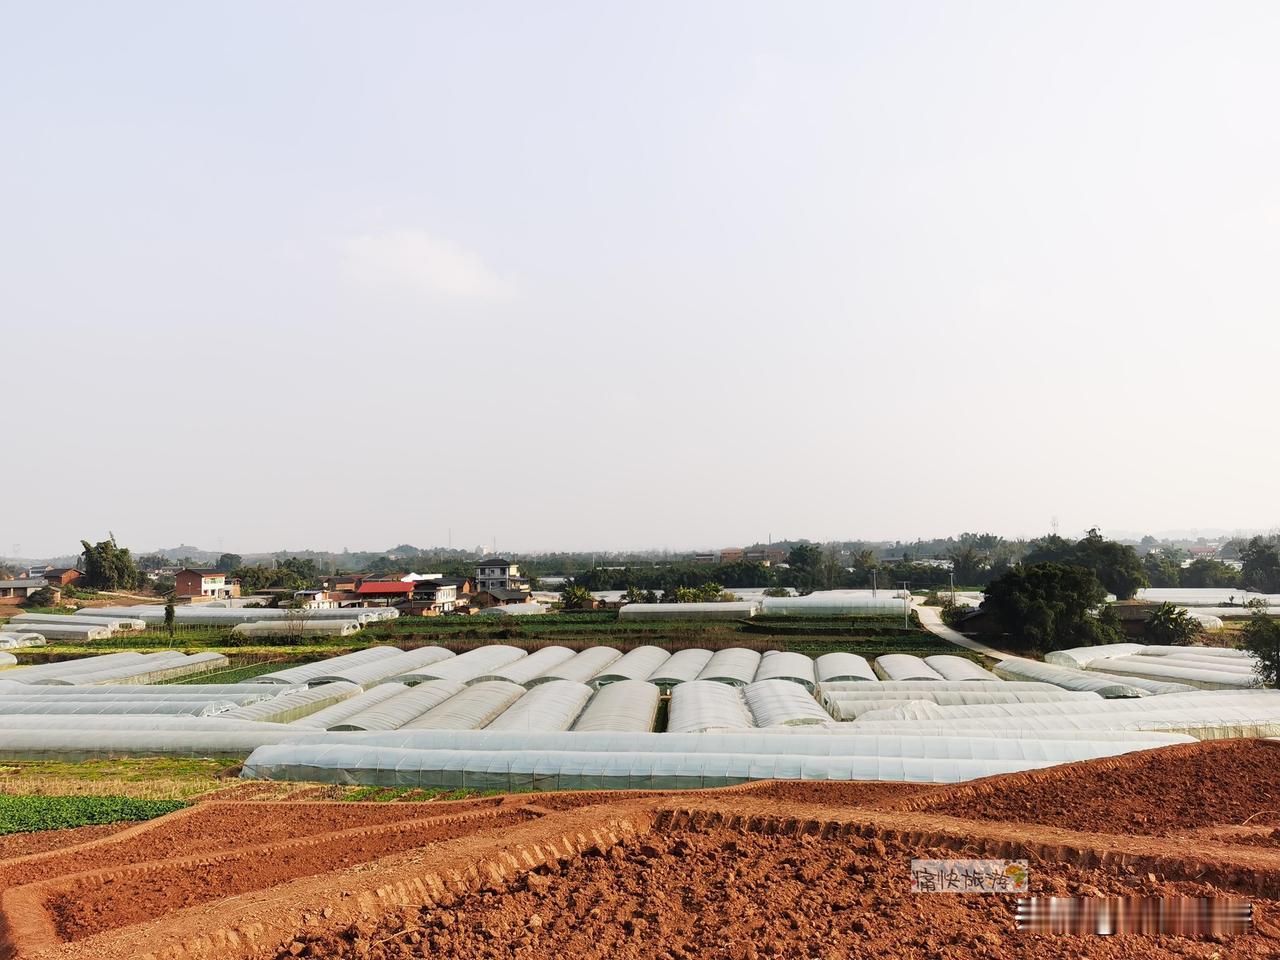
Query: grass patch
x=156, y=778
x=28, y=814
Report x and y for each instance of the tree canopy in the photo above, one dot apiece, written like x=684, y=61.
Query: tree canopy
x=1117, y=566
x=1049, y=606
x=108, y=566
x=1261, y=636
x=1261, y=565
x=1172, y=626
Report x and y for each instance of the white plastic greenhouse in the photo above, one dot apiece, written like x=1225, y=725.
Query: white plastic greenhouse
x=309, y=671
x=526, y=669
x=296, y=705
x=707, y=705
x=734, y=665
x=405, y=708
x=835, y=604
x=383, y=668
x=783, y=703
x=476, y=706
x=795, y=667
x=1081, y=657
x=951, y=667
x=637, y=664
x=1159, y=668
x=621, y=705
x=296, y=628
x=553, y=705
x=732, y=610
x=681, y=667
x=339, y=713
x=581, y=667
x=62, y=631
x=1069, y=678
x=567, y=770
x=904, y=666
x=831, y=667
x=115, y=624
x=13, y=641
x=7, y=660
x=469, y=667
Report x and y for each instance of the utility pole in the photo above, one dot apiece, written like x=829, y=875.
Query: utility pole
x=906, y=605
x=953, y=588
x=873, y=581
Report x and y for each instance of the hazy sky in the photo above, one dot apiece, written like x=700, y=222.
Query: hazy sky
x=606, y=275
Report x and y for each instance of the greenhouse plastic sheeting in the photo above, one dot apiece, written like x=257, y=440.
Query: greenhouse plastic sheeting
x=153, y=669
x=1202, y=724
x=938, y=686
x=637, y=664
x=108, y=707
x=13, y=641
x=76, y=745
x=683, y=666
x=1069, y=678
x=309, y=671
x=515, y=610
x=296, y=628
x=834, y=605
x=476, y=706
x=904, y=666
x=7, y=660
x=1080, y=657
x=212, y=615
x=555, y=770
x=1199, y=596
x=783, y=703
x=950, y=667
x=1153, y=669
x=62, y=631
x=116, y=624
x=702, y=705
x=376, y=671
x=1228, y=652
x=582, y=667
x=553, y=705
x=1229, y=664
x=399, y=710
x=339, y=713
x=735, y=666
x=36, y=672
x=795, y=667
x=1262, y=706
x=525, y=669
x=151, y=721
x=842, y=666
x=469, y=667
x=621, y=705
x=688, y=611
x=141, y=691
x=295, y=706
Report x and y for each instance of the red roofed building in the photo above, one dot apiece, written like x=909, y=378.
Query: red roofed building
x=384, y=593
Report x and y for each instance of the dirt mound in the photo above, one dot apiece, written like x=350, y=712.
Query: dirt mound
x=870, y=794
x=123, y=899
x=734, y=895
x=24, y=844
x=1156, y=792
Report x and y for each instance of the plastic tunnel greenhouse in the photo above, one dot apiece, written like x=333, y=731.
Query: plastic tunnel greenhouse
x=621, y=705
x=526, y=669
x=582, y=667
x=831, y=667
x=476, y=706
x=469, y=667
x=702, y=705
x=340, y=712
x=681, y=667
x=309, y=671
x=376, y=671
x=553, y=705
x=735, y=666
x=637, y=664
x=408, y=706
x=950, y=667
x=777, y=703
x=795, y=667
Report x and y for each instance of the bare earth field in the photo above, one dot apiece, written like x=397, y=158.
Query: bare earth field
x=803, y=870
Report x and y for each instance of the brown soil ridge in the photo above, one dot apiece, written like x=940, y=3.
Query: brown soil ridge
x=1212, y=783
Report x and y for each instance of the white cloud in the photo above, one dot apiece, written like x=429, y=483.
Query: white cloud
x=415, y=262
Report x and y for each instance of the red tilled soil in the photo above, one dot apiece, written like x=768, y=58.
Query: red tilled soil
x=92, y=907
x=212, y=828
x=1155, y=793
x=734, y=895
x=869, y=795
x=24, y=844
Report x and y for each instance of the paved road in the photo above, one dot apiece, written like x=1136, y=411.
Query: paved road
x=931, y=620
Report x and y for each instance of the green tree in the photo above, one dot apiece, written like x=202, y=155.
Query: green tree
x=228, y=562
x=1261, y=637
x=574, y=597
x=1117, y=566
x=1049, y=606
x=967, y=564
x=777, y=592
x=44, y=597
x=1261, y=565
x=1171, y=625
x=170, y=617
x=108, y=566
x=1209, y=573
x=804, y=561
x=1161, y=571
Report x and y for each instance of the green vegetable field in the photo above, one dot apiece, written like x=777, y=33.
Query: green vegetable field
x=27, y=814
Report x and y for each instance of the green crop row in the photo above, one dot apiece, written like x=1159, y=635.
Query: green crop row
x=28, y=814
